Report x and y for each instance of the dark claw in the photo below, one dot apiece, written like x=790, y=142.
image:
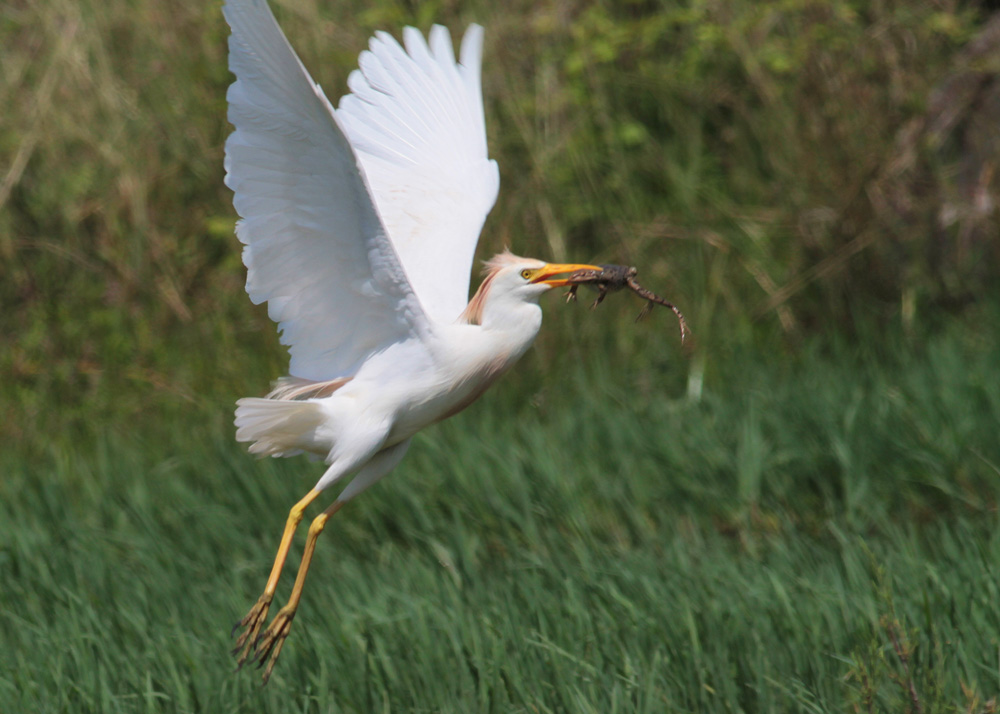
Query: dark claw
x=268, y=645
x=252, y=622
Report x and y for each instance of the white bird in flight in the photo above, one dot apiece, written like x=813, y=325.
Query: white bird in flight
x=359, y=226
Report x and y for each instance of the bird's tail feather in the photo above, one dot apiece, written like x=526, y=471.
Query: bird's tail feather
x=278, y=427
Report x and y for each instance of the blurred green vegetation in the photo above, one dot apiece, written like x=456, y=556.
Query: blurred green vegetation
x=777, y=169
x=797, y=515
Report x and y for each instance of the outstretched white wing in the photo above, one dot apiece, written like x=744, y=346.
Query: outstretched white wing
x=415, y=120
x=315, y=248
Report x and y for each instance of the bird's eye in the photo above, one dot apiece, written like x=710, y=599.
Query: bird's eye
x=526, y=273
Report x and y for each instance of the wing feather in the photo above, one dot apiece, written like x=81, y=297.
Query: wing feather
x=315, y=248
x=415, y=119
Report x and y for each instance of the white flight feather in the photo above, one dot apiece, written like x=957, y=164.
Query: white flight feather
x=415, y=120
x=342, y=240
x=359, y=223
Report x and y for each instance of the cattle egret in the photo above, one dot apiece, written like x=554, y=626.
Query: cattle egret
x=359, y=226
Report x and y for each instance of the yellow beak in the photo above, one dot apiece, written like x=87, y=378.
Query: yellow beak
x=544, y=275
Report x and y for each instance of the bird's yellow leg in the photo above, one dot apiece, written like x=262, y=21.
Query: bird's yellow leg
x=254, y=619
x=273, y=639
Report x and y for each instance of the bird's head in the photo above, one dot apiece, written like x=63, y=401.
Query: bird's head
x=511, y=280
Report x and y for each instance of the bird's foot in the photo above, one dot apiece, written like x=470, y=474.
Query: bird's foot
x=268, y=645
x=251, y=624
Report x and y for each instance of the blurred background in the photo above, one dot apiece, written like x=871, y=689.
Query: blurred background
x=814, y=184
x=779, y=170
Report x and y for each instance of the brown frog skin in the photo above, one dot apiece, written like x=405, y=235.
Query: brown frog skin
x=612, y=278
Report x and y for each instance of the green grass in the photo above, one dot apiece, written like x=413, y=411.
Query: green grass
x=595, y=547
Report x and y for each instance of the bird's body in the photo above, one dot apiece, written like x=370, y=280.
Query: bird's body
x=399, y=390
x=359, y=226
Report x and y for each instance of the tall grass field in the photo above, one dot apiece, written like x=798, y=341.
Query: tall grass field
x=796, y=512
x=820, y=537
